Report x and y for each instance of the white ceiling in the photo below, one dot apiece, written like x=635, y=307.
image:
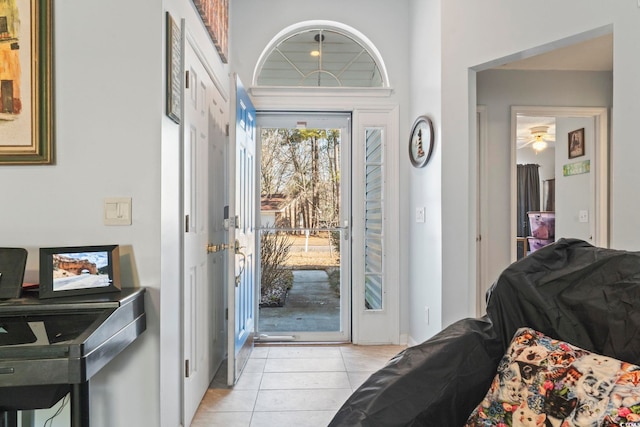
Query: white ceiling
x=592, y=55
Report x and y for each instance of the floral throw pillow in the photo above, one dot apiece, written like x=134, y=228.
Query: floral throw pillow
x=545, y=382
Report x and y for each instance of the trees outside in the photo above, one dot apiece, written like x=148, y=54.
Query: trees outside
x=300, y=181
x=303, y=165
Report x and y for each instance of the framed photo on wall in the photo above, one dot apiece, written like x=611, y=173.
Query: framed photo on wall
x=576, y=143
x=26, y=98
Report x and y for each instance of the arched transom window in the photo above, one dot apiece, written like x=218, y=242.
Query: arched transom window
x=320, y=54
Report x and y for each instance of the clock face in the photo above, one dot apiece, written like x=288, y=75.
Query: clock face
x=421, y=142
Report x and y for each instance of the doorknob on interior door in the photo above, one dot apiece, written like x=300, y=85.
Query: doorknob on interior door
x=211, y=248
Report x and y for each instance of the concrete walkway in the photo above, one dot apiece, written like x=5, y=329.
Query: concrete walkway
x=311, y=306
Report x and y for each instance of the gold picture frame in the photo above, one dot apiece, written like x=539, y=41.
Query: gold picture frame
x=26, y=95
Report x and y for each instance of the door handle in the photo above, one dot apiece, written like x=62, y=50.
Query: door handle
x=211, y=248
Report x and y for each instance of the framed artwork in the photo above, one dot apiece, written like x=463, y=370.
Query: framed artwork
x=26, y=97
x=215, y=16
x=79, y=270
x=421, y=141
x=174, y=69
x=576, y=143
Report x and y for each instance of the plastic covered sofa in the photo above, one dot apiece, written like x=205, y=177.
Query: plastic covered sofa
x=570, y=290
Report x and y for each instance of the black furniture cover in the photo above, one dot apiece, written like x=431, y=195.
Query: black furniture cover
x=569, y=290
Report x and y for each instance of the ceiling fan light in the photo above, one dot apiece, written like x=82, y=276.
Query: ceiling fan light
x=539, y=131
x=314, y=53
x=539, y=145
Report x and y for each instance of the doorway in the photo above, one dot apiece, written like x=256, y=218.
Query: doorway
x=580, y=204
x=305, y=237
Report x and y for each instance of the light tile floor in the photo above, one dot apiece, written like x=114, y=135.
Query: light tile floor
x=291, y=385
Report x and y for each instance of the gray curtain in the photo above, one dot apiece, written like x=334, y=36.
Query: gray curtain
x=528, y=196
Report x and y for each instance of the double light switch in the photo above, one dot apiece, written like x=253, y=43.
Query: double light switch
x=117, y=211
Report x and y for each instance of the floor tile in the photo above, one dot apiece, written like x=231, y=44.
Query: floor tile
x=249, y=381
x=229, y=400
x=304, y=380
x=292, y=418
x=222, y=419
x=289, y=385
x=304, y=365
x=260, y=352
x=301, y=400
x=364, y=364
x=254, y=365
x=384, y=351
x=290, y=352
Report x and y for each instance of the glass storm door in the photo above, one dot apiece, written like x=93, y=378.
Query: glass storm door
x=304, y=239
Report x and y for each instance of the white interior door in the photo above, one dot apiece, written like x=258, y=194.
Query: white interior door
x=203, y=347
x=242, y=282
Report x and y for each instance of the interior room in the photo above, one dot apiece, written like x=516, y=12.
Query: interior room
x=124, y=155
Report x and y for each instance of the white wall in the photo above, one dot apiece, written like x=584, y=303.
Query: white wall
x=114, y=140
x=574, y=193
x=425, y=240
x=468, y=41
x=108, y=103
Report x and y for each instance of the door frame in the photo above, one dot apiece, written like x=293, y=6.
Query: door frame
x=599, y=166
x=367, y=107
x=317, y=119
x=482, y=206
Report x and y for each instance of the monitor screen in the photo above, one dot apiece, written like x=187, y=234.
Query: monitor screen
x=80, y=270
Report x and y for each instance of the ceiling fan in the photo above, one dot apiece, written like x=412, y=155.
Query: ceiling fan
x=539, y=139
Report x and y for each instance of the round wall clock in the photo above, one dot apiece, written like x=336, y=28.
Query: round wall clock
x=421, y=141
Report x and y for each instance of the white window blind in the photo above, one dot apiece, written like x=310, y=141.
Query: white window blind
x=373, y=218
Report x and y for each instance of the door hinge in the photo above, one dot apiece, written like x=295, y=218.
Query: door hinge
x=186, y=368
x=186, y=223
x=226, y=314
x=226, y=130
x=186, y=79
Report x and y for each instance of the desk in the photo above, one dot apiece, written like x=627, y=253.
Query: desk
x=52, y=347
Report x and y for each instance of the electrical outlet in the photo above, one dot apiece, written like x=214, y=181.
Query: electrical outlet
x=583, y=216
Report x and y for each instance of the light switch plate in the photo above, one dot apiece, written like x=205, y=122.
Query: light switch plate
x=420, y=214
x=117, y=211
